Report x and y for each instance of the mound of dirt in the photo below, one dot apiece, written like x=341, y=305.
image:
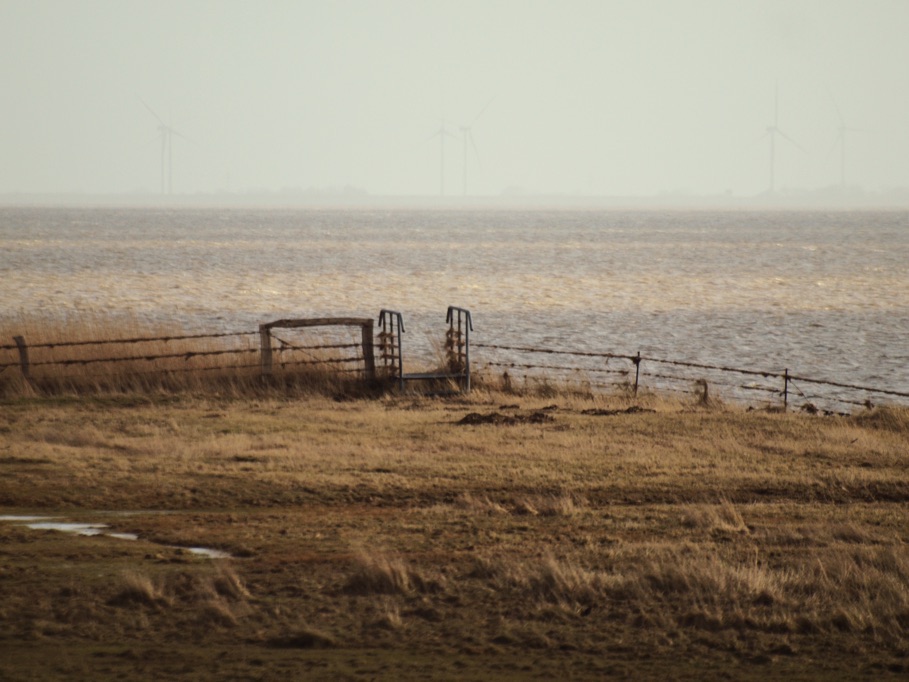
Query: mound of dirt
x=498, y=419
x=634, y=409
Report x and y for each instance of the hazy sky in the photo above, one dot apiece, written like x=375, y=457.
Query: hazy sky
x=602, y=96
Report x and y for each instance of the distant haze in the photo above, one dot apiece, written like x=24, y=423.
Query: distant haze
x=599, y=97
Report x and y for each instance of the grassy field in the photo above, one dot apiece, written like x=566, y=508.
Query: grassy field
x=493, y=536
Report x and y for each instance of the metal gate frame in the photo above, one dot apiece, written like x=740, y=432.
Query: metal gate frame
x=457, y=348
x=365, y=324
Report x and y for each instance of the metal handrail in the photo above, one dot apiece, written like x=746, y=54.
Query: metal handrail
x=465, y=323
x=387, y=319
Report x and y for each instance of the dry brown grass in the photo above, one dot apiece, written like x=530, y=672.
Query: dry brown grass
x=225, y=366
x=379, y=573
x=218, y=597
x=894, y=419
x=722, y=517
x=383, y=538
x=140, y=590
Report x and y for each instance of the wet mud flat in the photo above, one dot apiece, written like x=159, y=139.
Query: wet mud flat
x=387, y=540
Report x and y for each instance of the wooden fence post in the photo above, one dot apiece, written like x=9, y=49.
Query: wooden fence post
x=785, y=389
x=369, y=357
x=23, y=356
x=24, y=364
x=637, y=371
x=265, y=349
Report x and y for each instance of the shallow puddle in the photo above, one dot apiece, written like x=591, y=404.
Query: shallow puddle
x=77, y=528
x=95, y=529
x=123, y=536
x=207, y=552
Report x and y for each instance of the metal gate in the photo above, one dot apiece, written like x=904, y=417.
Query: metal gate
x=457, y=349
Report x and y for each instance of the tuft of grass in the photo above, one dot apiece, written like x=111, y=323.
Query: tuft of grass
x=708, y=579
x=380, y=573
x=895, y=419
x=480, y=504
x=226, y=583
x=217, y=599
x=566, y=582
x=218, y=612
x=389, y=617
x=547, y=580
x=562, y=504
x=553, y=504
x=722, y=517
x=138, y=589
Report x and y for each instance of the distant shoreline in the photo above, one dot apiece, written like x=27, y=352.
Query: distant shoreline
x=893, y=200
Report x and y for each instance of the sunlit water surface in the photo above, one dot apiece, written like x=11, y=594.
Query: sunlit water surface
x=823, y=294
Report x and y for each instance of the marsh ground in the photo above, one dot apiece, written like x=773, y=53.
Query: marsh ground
x=402, y=538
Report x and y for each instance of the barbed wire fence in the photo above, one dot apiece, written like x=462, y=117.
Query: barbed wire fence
x=293, y=350
x=147, y=357
x=632, y=374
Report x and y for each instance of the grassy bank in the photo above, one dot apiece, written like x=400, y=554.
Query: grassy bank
x=485, y=537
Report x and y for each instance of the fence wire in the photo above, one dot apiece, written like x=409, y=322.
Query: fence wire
x=597, y=370
x=141, y=339
x=665, y=380
x=188, y=355
x=792, y=385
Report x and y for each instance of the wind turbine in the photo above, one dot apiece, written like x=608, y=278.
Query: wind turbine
x=167, y=150
x=442, y=133
x=841, y=141
x=773, y=131
x=467, y=135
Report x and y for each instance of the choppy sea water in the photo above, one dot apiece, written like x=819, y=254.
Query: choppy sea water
x=824, y=294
